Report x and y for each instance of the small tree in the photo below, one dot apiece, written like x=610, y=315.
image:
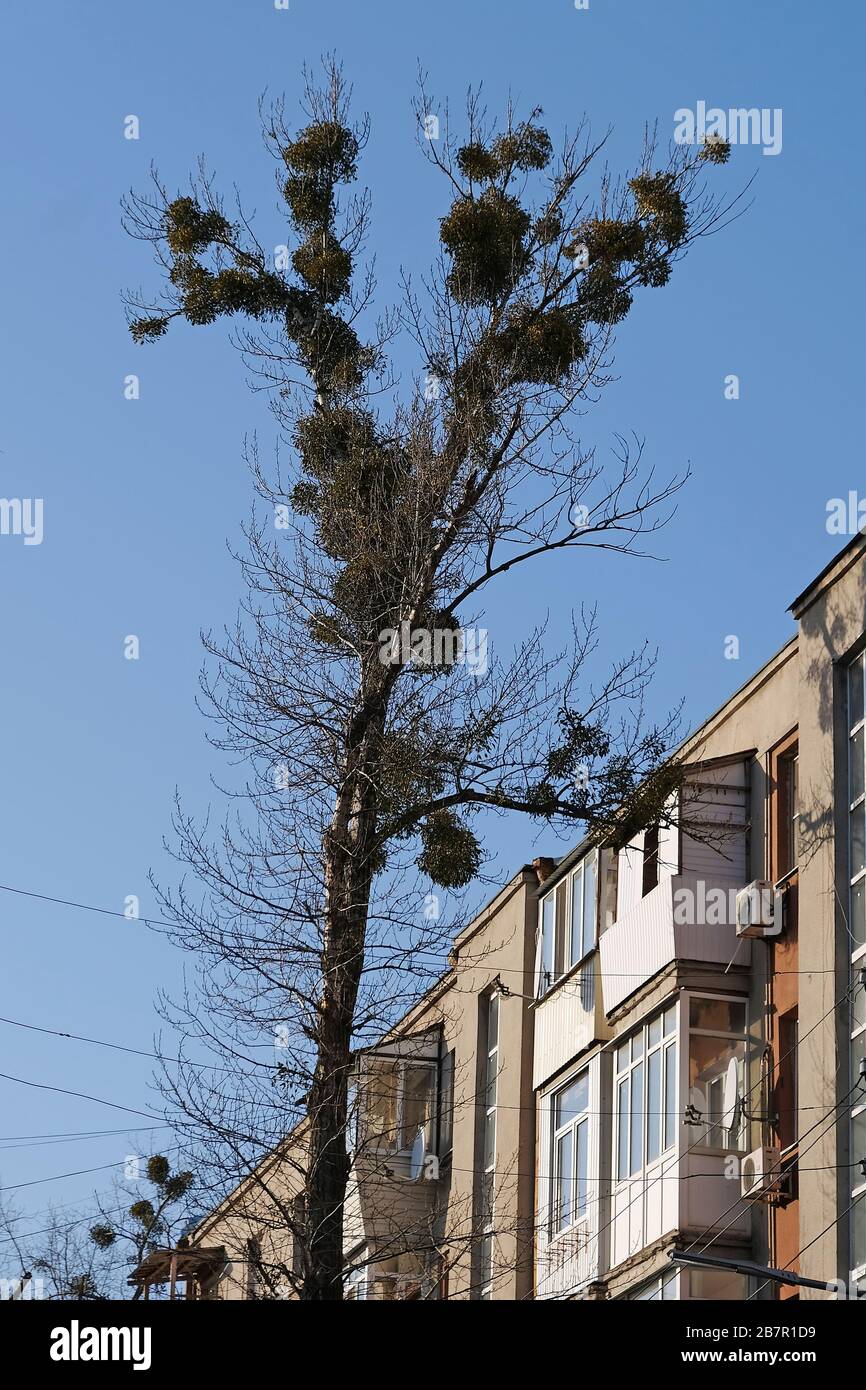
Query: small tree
x=370, y=753
x=149, y=1222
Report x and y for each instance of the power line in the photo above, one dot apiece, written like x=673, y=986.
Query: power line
x=80, y=1172
x=439, y=956
x=79, y=1133
x=81, y=1095
x=117, y=1047
x=818, y=1237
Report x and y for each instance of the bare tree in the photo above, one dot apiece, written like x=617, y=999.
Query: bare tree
x=356, y=686
x=57, y=1261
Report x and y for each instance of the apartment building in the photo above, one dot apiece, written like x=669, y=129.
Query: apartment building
x=440, y=1201
x=698, y=1059
x=641, y=1049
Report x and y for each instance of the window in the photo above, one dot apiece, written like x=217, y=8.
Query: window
x=570, y=1130
x=650, y=859
x=446, y=1104
x=568, y=923
x=717, y=1284
x=787, y=812
x=646, y=1089
x=299, y=1218
x=254, y=1266
x=582, y=910
x=355, y=1287
x=397, y=1100
x=717, y=1072
x=663, y=1286
x=490, y=1032
x=857, y=947
x=786, y=1080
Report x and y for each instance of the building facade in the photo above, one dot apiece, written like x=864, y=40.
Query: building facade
x=644, y=1049
x=700, y=1081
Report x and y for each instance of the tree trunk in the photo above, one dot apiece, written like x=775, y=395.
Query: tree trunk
x=348, y=879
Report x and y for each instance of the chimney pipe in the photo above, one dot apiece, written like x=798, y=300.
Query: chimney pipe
x=544, y=867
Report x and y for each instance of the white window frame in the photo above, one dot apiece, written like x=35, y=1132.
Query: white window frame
x=640, y=1049
x=557, y=956
x=857, y=1030
x=488, y=1141
x=578, y=1128
x=744, y=1038
x=657, y=1290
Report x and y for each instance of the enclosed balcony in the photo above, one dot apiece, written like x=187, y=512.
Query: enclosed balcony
x=396, y=1115
x=677, y=887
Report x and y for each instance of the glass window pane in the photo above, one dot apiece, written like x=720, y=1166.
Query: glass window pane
x=572, y=1101
x=717, y=1015
x=492, y=1021
x=654, y=1105
x=650, y=1294
x=637, y=1045
x=670, y=1019
x=589, y=904
x=381, y=1086
x=709, y=1059
x=719, y=1284
x=487, y=1259
x=856, y=747
x=582, y=1165
x=417, y=1101
x=576, y=947
x=446, y=1104
x=622, y=1145
x=855, y=692
x=858, y=1241
x=564, y=1181
x=637, y=1118
x=858, y=839
x=547, y=933
x=858, y=1051
x=490, y=1088
x=654, y=1032
x=622, y=1057
x=671, y=1095
x=858, y=1148
x=490, y=1139
x=559, y=961
x=488, y=1194
x=858, y=914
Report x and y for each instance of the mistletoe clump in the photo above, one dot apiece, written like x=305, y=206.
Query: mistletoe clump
x=190, y=229
x=476, y=163
x=486, y=239
x=324, y=265
x=527, y=148
x=451, y=855
x=326, y=150
x=542, y=347
x=658, y=198
x=715, y=150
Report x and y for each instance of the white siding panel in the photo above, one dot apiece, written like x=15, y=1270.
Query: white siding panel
x=564, y=1023
x=643, y=942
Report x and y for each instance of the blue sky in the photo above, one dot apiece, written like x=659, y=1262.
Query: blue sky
x=141, y=496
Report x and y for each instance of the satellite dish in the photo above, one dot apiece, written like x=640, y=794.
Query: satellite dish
x=698, y=1100
x=730, y=1094
x=418, y=1155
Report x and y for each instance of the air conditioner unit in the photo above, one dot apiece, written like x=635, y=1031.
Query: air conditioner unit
x=759, y=910
x=759, y=1174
